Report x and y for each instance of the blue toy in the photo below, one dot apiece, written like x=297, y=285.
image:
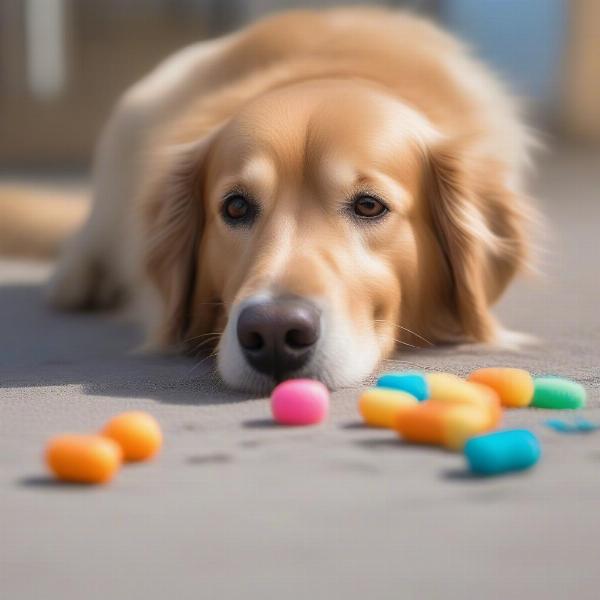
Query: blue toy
x=502, y=451
x=412, y=383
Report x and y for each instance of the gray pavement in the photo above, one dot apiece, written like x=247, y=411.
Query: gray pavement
x=237, y=508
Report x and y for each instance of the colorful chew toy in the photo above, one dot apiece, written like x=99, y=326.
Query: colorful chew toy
x=137, y=433
x=491, y=398
x=449, y=389
x=300, y=402
x=502, y=451
x=443, y=424
x=555, y=392
x=438, y=408
x=379, y=406
x=514, y=386
x=445, y=385
x=423, y=424
x=83, y=458
x=412, y=383
x=458, y=414
x=450, y=410
x=455, y=411
x=464, y=422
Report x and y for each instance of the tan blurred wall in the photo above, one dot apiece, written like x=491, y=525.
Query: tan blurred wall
x=111, y=43
x=107, y=50
x=581, y=92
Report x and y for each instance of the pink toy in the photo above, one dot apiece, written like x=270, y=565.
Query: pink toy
x=300, y=402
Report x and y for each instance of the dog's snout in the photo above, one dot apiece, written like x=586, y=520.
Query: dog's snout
x=278, y=336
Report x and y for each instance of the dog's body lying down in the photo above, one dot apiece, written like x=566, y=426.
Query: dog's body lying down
x=305, y=194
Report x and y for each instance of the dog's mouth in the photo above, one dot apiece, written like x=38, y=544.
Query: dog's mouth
x=266, y=339
x=277, y=338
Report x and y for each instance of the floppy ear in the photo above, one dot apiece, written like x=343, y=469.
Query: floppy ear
x=479, y=223
x=173, y=222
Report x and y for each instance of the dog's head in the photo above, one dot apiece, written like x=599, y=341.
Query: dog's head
x=321, y=225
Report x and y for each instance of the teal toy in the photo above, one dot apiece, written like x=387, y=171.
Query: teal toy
x=411, y=383
x=502, y=452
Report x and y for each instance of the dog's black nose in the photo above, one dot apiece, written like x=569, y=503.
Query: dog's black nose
x=278, y=336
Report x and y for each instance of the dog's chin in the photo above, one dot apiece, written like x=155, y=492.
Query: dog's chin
x=259, y=384
x=341, y=359
x=253, y=382
x=337, y=373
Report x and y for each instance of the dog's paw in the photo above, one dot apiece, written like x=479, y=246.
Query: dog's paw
x=514, y=341
x=83, y=282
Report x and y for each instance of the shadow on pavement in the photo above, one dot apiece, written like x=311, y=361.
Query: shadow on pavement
x=261, y=424
x=47, y=482
x=43, y=347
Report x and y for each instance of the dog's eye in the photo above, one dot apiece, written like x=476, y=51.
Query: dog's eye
x=238, y=210
x=367, y=207
x=236, y=207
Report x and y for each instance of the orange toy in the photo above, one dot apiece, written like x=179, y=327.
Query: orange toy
x=423, y=423
x=443, y=424
x=514, y=386
x=456, y=410
x=137, y=433
x=83, y=458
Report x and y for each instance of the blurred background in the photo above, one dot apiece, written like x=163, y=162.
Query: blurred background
x=63, y=63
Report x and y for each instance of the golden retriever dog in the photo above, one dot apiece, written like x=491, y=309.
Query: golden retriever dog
x=306, y=194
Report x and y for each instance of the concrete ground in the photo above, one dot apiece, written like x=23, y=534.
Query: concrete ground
x=238, y=508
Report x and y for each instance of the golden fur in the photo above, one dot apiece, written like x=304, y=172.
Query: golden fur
x=302, y=111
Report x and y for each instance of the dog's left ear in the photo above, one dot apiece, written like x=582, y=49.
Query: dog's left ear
x=479, y=223
x=173, y=222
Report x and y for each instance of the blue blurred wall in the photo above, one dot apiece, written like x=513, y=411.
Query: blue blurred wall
x=522, y=39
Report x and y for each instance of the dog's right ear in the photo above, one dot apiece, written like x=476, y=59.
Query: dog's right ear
x=480, y=227
x=173, y=221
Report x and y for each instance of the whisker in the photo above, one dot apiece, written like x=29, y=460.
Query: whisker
x=406, y=329
x=208, y=340
x=211, y=355
x=197, y=337
x=404, y=343
x=196, y=349
x=407, y=363
x=403, y=362
x=417, y=335
x=381, y=337
x=199, y=348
